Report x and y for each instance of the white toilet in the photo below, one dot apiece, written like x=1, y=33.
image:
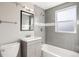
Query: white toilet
x=10, y=50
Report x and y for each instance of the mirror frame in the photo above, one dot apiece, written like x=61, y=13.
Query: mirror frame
x=21, y=11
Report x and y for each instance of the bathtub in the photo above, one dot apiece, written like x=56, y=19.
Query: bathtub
x=53, y=51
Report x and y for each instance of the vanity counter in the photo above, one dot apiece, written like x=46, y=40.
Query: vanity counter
x=29, y=39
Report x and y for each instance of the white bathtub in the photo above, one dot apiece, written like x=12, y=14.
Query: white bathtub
x=53, y=51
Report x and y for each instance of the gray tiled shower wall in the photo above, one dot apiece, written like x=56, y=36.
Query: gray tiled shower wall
x=68, y=41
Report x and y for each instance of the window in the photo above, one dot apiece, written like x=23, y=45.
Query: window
x=65, y=20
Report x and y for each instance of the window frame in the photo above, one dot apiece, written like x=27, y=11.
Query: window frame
x=75, y=21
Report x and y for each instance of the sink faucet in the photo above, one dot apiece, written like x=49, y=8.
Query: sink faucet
x=28, y=36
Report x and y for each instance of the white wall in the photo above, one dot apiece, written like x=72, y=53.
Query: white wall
x=11, y=32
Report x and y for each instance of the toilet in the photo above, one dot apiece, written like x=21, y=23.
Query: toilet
x=10, y=50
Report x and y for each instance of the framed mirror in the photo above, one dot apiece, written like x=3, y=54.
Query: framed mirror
x=26, y=21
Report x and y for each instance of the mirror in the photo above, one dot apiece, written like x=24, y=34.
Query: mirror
x=27, y=21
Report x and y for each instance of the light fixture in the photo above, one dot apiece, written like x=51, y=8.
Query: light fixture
x=31, y=10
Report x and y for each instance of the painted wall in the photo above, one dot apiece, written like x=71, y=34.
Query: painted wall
x=68, y=41
x=11, y=32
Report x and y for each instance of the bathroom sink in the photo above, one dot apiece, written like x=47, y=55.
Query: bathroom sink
x=31, y=46
x=31, y=39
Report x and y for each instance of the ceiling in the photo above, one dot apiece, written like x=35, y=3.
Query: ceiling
x=47, y=5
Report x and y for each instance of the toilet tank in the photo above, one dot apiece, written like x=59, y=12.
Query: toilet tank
x=10, y=50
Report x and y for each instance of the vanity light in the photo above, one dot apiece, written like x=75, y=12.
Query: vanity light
x=31, y=10
x=27, y=8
